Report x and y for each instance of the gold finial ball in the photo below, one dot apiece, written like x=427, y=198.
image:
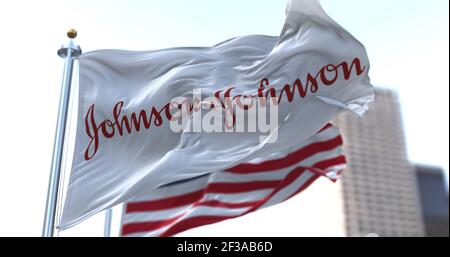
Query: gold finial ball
x=72, y=33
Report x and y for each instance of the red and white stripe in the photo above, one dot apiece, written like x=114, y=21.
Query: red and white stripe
x=235, y=192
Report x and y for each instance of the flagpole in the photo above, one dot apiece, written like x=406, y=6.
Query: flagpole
x=68, y=52
x=108, y=221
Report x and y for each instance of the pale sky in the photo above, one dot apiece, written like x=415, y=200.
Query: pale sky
x=407, y=42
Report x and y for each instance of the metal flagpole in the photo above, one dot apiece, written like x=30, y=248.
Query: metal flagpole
x=108, y=221
x=68, y=52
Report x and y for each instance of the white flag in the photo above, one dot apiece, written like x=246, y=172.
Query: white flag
x=126, y=146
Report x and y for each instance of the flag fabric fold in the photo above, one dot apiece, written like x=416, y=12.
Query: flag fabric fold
x=237, y=191
x=125, y=148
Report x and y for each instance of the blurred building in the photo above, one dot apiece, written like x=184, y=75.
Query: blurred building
x=379, y=187
x=434, y=200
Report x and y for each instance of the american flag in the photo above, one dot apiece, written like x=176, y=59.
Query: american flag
x=232, y=193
